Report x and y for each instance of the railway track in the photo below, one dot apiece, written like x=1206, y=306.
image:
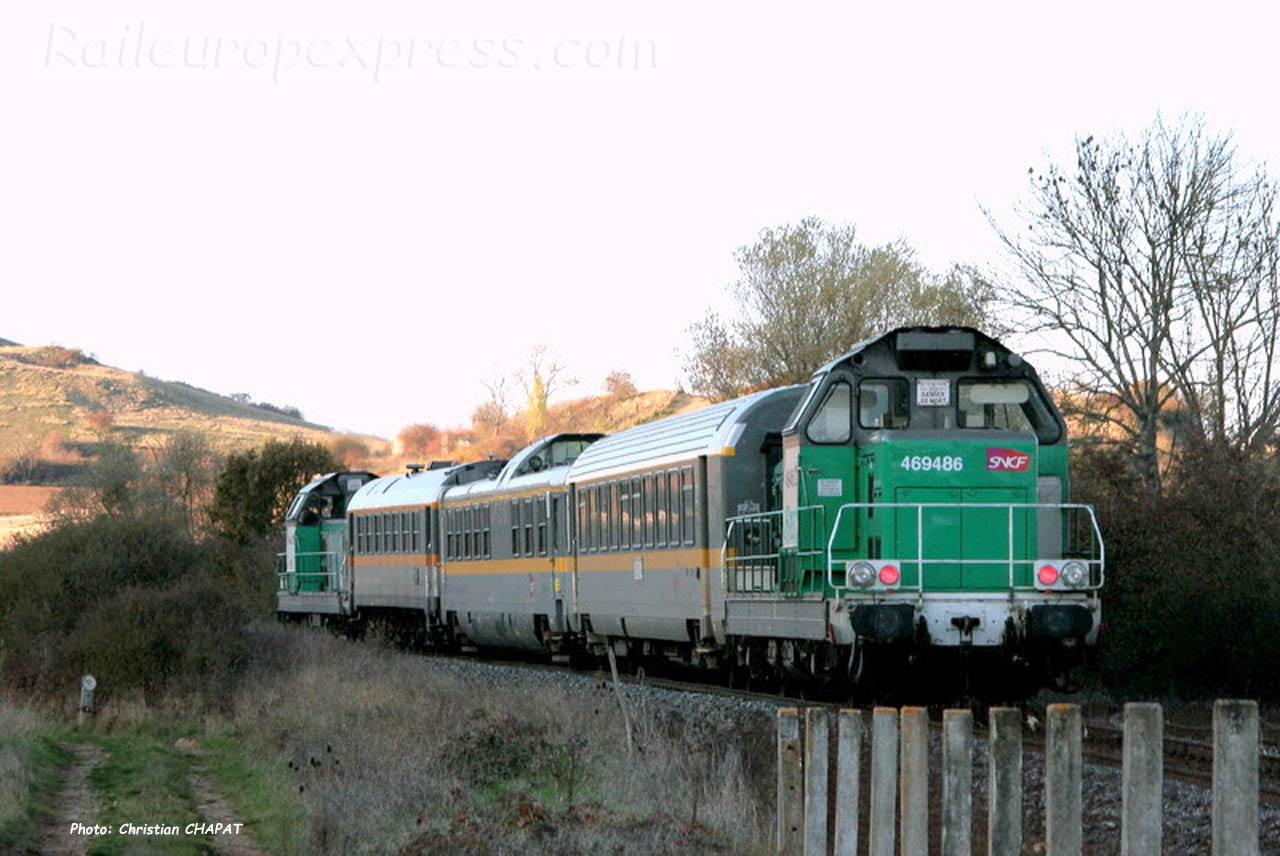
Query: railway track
x=1188, y=756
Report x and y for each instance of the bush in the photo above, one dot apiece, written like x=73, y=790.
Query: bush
x=127, y=595
x=55, y=357
x=1192, y=602
x=180, y=638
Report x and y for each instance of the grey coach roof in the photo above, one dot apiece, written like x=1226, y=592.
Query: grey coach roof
x=404, y=489
x=676, y=438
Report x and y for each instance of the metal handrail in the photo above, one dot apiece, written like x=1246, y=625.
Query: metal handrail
x=919, y=559
x=335, y=576
x=774, y=556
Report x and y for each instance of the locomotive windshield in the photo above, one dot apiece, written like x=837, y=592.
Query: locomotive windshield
x=883, y=404
x=1013, y=405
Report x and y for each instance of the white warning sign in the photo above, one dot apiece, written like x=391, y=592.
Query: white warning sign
x=933, y=392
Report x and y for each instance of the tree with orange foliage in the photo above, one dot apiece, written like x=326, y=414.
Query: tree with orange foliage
x=422, y=439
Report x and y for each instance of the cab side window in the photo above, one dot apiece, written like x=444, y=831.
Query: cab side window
x=833, y=421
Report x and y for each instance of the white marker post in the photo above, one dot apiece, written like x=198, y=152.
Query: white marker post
x=87, y=685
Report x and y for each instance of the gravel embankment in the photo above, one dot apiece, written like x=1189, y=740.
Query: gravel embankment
x=1187, y=807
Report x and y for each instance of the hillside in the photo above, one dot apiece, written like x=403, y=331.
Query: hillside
x=56, y=405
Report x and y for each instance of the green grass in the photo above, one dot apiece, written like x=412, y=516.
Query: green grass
x=31, y=768
x=260, y=791
x=145, y=781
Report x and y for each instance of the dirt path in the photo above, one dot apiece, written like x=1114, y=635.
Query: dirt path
x=73, y=805
x=216, y=809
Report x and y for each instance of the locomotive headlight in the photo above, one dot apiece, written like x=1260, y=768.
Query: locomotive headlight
x=860, y=574
x=1074, y=574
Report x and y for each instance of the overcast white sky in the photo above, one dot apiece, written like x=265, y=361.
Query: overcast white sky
x=364, y=209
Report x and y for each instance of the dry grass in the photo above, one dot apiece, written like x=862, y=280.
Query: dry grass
x=390, y=752
x=29, y=765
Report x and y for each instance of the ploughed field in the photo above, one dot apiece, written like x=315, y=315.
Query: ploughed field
x=21, y=508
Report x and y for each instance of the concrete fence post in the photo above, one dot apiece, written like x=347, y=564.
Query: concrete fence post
x=1142, y=780
x=957, y=782
x=88, y=684
x=790, y=783
x=1062, y=771
x=848, y=769
x=1235, y=778
x=1004, y=781
x=884, y=780
x=914, y=782
x=817, y=745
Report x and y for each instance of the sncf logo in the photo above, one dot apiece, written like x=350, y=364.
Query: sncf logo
x=1009, y=460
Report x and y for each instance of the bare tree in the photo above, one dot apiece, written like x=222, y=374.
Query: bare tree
x=541, y=378
x=806, y=293
x=498, y=407
x=1153, y=263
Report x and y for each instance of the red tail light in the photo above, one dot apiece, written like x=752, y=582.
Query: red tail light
x=1048, y=575
x=889, y=575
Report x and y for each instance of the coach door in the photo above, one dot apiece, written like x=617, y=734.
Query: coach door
x=557, y=508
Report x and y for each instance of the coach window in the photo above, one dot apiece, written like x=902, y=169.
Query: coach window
x=527, y=520
x=673, y=507
x=583, y=518
x=883, y=403
x=540, y=513
x=689, y=515
x=661, y=500
x=611, y=504
x=650, y=511
x=624, y=514
x=592, y=531
x=833, y=422
x=515, y=527
x=637, y=515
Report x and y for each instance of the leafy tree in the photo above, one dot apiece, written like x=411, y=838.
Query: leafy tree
x=185, y=471
x=255, y=487
x=114, y=484
x=1153, y=264
x=807, y=292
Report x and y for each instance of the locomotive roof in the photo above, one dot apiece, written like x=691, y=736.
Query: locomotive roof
x=920, y=337
x=420, y=488
x=667, y=441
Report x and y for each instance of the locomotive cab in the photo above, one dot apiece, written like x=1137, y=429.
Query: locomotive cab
x=314, y=559
x=924, y=495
